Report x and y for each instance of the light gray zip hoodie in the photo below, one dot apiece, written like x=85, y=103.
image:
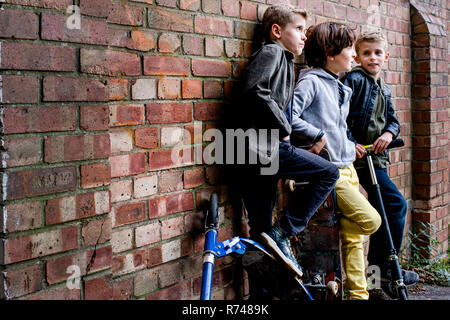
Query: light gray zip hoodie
x=316, y=108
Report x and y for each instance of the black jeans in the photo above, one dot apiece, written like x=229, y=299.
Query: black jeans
x=396, y=209
x=259, y=192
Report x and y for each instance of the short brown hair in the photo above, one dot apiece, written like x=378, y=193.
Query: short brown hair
x=370, y=36
x=280, y=14
x=327, y=39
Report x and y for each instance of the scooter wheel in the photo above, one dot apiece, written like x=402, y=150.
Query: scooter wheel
x=402, y=293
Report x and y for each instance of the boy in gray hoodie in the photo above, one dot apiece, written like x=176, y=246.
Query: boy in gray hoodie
x=319, y=111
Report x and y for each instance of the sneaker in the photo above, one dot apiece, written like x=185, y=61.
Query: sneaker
x=409, y=277
x=279, y=243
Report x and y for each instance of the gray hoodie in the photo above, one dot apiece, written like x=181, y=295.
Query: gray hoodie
x=316, y=108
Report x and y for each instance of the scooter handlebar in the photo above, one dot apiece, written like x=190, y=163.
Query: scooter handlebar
x=394, y=144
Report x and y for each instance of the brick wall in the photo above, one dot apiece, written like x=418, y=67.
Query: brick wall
x=90, y=118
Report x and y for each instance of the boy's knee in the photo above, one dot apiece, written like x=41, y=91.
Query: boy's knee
x=375, y=222
x=332, y=173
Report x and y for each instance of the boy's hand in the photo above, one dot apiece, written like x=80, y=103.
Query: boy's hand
x=318, y=146
x=382, y=142
x=360, y=151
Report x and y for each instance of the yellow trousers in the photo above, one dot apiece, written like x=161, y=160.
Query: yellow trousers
x=358, y=218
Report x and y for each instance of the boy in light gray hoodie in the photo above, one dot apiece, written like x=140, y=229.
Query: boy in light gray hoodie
x=319, y=111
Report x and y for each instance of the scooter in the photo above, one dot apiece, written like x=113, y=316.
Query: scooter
x=396, y=286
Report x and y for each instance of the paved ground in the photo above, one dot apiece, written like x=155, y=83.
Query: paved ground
x=429, y=292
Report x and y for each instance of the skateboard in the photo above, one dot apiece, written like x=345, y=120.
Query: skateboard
x=317, y=248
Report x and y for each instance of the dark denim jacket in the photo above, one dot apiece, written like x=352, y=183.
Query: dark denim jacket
x=362, y=104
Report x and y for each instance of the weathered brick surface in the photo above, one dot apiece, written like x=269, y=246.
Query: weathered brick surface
x=102, y=135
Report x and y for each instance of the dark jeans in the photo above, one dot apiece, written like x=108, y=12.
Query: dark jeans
x=259, y=192
x=395, y=207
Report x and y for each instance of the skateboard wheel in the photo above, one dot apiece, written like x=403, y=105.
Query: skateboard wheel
x=290, y=184
x=332, y=286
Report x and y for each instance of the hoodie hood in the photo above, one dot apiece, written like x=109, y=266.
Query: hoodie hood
x=317, y=72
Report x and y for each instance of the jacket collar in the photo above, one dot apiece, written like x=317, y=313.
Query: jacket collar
x=288, y=54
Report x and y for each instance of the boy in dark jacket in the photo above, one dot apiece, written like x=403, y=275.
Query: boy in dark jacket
x=267, y=89
x=372, y=120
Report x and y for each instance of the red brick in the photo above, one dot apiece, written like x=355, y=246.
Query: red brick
x=191, y=5
x=210, y=68
x=169, y=20
x=129, y=213
x=95, y=175
x=76, y=207
x=121, y=115
x=60, y=293
x=244, y=30
x=171, y=227
x=147, y=234
x=169, y=88
x=167, y=3
x=96, y=232
x=96, y=8
x=18, y=24
x=174, y=158
x=29, y=183
x=129, y=164
x=142, y=40
x=208, y=110
x=108, y=62
x=168, y=43
x=76, y=147
x=57, y=268
x=125, y=14
x=193, y=178
x=50, y=4
x=19, y=89
x=213, y=26
x=143, y=89
x=40, y=244
x=191, y=89
x=22, y=216
x=170, y=204
x=98, y=289
x=146, y=137
x=181, y=291
x=154, y=256
x=122, y=289
x=32, y=56
x=192, y=45
x=213, y=47
x=154, y=65
x=170, y=181
x=211, y=6
x=73, y=89
x=248, y=10
x=129, y=263
x=53, y=27
x=22, y=281
x=169, y=112
x=212, y=89
x=93, y=118
x=230, y=8
x=116, y=89
x=22, y=151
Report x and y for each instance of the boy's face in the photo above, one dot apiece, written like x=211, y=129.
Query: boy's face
x=292, y=35
x=371, y=56
x=341, y=62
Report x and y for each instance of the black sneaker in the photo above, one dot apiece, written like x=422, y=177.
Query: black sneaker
x=409, y=277
x=281, y=246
